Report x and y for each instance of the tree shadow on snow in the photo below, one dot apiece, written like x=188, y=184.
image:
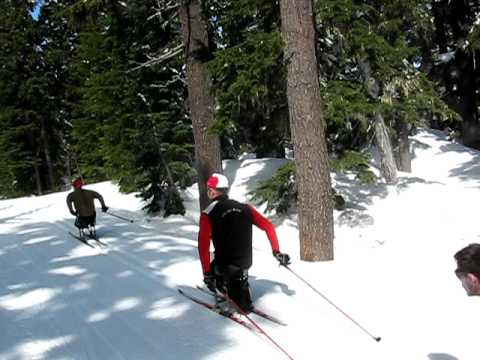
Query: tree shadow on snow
x=6, y=207
x=404, y=182
x=60, y=299
x=468, y=171
x=441, y=356
x=416, y=145
x=265, y=168
x=261, y=287
x=358, y=196
x=19, y=215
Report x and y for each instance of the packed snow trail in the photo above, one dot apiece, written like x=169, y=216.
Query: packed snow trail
x=393, y=273
x=67, y=302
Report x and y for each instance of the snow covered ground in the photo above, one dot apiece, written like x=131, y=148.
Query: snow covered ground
x=392, y=273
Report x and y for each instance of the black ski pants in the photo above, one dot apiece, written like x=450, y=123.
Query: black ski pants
x=233, y=281
x=82, y=222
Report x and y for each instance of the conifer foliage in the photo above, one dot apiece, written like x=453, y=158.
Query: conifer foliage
x=249, y=76
x=129, y=122
x=75, y=101
x=98, y=88
x=370, y=54
x=22, y=120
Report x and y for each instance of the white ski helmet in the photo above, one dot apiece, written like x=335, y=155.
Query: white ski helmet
x=217, y=181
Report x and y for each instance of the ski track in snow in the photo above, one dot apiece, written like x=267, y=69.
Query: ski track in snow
x=393, y=274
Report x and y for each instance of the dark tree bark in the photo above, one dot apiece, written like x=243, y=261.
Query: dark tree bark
x=387, y=161
x=201, y=103
x=404, y=160
x=38, y=182
x=48, y=159
x=467, y=99
x=36, y=168
x=439, y=18
x=439, y=9
x=453, y=22
x=35, y=159
x=382, y=138
x=315, y=207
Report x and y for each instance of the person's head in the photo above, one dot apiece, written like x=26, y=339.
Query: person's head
x=217, y=185
x=77, y=183
x=468, y=268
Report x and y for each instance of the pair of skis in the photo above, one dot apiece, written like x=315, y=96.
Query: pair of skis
x=218, y=310
x=101, y=244
x=250, y=324
x=254, y=311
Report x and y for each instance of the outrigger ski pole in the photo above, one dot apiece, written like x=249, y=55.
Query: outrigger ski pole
x=120, y=217
x=260, y=330
x=376, y=338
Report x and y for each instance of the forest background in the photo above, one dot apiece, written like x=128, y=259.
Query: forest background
x=98, y=89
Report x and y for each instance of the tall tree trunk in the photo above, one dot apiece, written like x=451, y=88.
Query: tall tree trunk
x=36, y=170
x=38, y=181
x=315, y=205
x=468, y=99
x=453, y=21
x=48, y=159
x=201, y=103
x=35, y=163
x=404, y=160
x=68, y=168
x=440, y=21
x=387, y=161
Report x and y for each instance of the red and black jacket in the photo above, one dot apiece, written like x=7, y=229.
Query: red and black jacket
x=228, y=223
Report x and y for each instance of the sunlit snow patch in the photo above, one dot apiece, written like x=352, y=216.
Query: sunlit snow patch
x=36, y=349
x=39, y=240
x=126, y=304
x=166, y=309
x=28, y=300
x=68, y=271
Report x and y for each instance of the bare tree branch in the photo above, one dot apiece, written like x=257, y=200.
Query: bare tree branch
x=171, y=5
x=160, y=59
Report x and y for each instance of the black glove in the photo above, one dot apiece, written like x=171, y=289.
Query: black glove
x=282, y=258
x=74, y=213
x=209, y=280
x=104, y=208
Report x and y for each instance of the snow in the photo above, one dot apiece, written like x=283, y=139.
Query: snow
x=445, y=57
x=392, y=273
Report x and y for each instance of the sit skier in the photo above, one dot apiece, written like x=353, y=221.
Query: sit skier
x=228, y=224
x=83, y=207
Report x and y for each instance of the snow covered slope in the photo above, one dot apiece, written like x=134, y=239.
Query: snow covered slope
x=393, y=273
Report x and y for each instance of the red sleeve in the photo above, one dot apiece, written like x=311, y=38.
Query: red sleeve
x=264, y=224
x=204, y=238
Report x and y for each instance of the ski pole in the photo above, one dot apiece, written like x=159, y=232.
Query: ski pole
x=240, y=310
x=120, y=217
x=376, y=338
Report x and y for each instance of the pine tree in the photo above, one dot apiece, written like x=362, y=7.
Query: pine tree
x=20, y=98
x=453, y=59
x=201, y=102
x=97, y=79
x=129, y=123
x=249, y=77
x=58, y=45
x=369, y=54
x=315, y=204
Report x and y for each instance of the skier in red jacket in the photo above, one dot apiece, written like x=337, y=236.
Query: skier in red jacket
x=228, y=224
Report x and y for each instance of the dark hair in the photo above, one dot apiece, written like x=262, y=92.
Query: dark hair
x=468, y=260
